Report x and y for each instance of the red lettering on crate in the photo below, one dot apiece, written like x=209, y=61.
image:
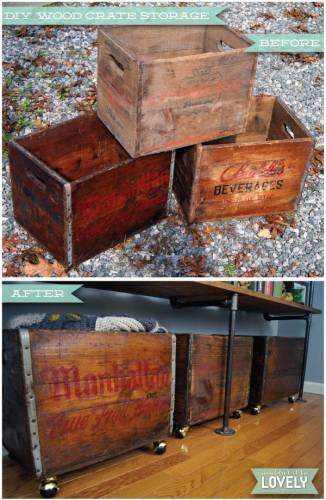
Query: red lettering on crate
x=67, y=382
x=104, y=417
x=247, y=170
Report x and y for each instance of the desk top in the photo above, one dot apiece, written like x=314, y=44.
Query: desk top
x=206, y=292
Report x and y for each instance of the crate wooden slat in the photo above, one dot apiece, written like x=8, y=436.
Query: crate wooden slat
x=200, y=377
x=276, y=368
x=97, y=395
x=258, y=172
x=78, y=192
x=165, y=87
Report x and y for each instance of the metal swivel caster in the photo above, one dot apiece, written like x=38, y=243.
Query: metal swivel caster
x=49, y=487
x=292, y=399
x=236, y=414
x=181, y=432
x=255, y=410
x=159, y=447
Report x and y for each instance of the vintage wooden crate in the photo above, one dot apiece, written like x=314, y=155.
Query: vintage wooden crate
x=78, y=192
x=164, y=87
x=258, y=172
x=200, y=378
x=74, y=398
x=276, y=369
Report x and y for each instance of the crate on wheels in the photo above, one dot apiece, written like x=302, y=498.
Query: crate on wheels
x=75, y=398
x=200, y=378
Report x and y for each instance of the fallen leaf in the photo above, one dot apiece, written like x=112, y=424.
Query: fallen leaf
x=43, y=268
x=301, y=28
x=21, y=32
x=267, y=15
x=317, y=162
x=300, y=14
x=256, y=25
x=272, y=272
x=304, y=58
x=265, y=233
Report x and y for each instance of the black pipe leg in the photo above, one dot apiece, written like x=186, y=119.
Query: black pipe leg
x=300, y=398
x=226, y=430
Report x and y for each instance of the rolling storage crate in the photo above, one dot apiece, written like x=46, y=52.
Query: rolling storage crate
x=74, y=398
x=276, y=370
x=200, y=378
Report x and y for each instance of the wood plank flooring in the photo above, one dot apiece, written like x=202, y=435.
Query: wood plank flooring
x=203, y=465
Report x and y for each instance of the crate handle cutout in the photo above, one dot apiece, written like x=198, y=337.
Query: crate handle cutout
x=289, y=131
x=117, y=64
x=224, y=46
x=37, y=180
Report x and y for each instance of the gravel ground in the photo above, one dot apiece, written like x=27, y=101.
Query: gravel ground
x=50, y=76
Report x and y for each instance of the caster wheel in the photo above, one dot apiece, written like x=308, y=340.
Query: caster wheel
x=255, y=410
x=49, y=487
x=291, y=399
x=159, y=447
x=181, y=432
x=236, y=414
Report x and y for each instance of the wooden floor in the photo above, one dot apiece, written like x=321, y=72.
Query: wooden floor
x=203, y=465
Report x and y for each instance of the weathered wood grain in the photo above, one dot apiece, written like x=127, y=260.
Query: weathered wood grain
x=15, y=429
x=179, y=86
x=276, y=368
x=256, y=173
x=78, y=192
x=203, y=359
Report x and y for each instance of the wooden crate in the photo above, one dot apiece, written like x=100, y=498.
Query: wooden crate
x=73, y=398
x=200, y=377
x=276, y=368
x=162, y=88
x=78, y=192
x=259, y=172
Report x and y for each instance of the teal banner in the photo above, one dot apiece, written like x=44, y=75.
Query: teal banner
x=121, y=16
x=287, y=42
x=39, y=293
x=284, y=481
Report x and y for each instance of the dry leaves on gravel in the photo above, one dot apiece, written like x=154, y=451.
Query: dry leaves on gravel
x=275, y=225
x=299, y=14
x=30, y=262
x=267, y=15
x=193, y=266
x=301, y=28
x=304, y=58
x=317, y=162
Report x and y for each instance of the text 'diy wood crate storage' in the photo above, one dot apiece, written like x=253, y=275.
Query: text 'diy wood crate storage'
x=78, y=192
x=161, y=88
x=258, y=172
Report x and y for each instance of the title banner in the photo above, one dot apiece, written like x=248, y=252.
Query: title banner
x=121, y=16
x=39, y=293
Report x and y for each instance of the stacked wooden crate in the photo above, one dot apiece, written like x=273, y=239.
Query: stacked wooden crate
x=79, y=188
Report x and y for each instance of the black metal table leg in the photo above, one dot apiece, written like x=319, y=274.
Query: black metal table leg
x=226, y=430
x=308, y=320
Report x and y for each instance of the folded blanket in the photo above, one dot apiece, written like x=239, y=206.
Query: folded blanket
x=73, y=321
